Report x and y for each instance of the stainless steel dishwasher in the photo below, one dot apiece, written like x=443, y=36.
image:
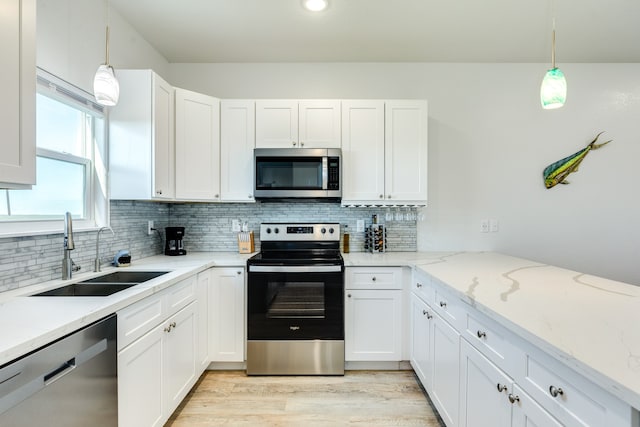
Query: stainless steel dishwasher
x=70, y=382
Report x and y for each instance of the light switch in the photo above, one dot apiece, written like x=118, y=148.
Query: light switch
x=235, y=225
x=484, y=226
x=493, y=225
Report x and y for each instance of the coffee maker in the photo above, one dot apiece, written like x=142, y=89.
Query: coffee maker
x=174, y=245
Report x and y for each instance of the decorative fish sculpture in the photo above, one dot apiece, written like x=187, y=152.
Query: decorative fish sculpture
x=557, y=172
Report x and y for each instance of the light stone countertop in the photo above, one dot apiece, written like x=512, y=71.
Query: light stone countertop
x=28, y=323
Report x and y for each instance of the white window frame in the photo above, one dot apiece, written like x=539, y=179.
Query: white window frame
x=97, y=212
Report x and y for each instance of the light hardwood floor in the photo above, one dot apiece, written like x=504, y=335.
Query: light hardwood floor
x=362, y=398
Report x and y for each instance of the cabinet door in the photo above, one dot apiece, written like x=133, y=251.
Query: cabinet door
x=163, y=139
x=227, y=314
x=237, y=141
x=373, y=325
x=197, y=146
x=484, y=390
x=363, y=150
x=179, y=370
x=17, y=107
x=421, y=353
x=277, y=124
x=527, y=413
x=319, y=123
x=204, y=329
x=446, y=370
x=406, y=151
x=140, y=390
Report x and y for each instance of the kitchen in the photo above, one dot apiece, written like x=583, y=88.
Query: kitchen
x=488, y=143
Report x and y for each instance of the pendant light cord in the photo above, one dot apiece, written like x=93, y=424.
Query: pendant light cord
x=106, y=3
x=553, y=34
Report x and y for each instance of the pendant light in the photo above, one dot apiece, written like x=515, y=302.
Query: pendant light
x=106, y=88
x=315, y=5
x=553, y=91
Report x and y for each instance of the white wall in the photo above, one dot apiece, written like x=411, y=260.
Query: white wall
x=71, y=41
x=489, y=141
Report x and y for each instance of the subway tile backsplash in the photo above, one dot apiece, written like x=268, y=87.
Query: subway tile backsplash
x=28, y=260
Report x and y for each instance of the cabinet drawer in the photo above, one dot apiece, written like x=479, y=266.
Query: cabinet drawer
x=570, y=397
x=421, y=286
x=493, y=342
x=449, y=308
x=374, y=278
x=180, y=295
x=137, y=319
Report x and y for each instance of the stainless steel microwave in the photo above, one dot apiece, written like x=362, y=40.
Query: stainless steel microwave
x=297, y=173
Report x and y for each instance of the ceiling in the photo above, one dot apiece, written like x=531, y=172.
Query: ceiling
x=387, y=30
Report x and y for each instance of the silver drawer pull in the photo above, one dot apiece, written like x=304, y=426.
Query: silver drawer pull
x=419, y=285
x=373, y=278
x=514, y=399
x=481, y=334
x=555, y=391
x=443, y=304
x=501, y=387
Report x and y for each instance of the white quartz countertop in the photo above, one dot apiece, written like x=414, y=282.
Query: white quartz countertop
x=589, y=323
x=31, y=322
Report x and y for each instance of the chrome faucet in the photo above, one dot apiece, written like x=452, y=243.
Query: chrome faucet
x=68, y=266
x=96, y=263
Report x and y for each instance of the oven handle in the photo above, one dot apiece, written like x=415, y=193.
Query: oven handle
x=294, y=269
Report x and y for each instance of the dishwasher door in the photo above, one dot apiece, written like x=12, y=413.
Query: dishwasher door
x=70, y=382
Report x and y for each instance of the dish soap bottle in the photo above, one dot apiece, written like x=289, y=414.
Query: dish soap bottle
x=345, y=240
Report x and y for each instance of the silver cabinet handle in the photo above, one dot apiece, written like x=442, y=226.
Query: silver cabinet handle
x=348, y=295
x=555, y=391
x=443, y=304
x=501, y=387
x=167, y=329
x=381, y=196
x=419, y=285
x=216, y=196
x=238, y=272
x=389, y=196
x=251, y=196
x=481, y=334
x=158, y=191
x=514, y=399
x=294, y=143
x=373, y=279
x=301, y=144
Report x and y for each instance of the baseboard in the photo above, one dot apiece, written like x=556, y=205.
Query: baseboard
x=402, y=365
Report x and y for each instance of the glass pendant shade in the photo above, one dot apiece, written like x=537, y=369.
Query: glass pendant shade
x=553, y=91
x=105, y=86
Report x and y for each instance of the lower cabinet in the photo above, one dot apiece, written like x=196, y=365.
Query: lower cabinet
x=420, y=349
x=446, y=369
x=157, y=354
x=227, y=314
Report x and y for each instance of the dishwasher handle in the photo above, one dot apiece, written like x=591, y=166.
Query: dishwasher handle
x=60, y=372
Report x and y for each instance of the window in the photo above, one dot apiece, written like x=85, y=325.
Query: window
x=70, y=169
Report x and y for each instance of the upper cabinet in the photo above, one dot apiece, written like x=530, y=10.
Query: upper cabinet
x=237, y=141
x=17, y=107
x=141, y=138
x=197, y=146
x=298, y=124
x=384, y=145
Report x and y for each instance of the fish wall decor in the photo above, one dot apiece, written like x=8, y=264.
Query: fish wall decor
x=557, y=172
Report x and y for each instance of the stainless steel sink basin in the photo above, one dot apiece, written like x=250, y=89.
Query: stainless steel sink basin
x=102, y=286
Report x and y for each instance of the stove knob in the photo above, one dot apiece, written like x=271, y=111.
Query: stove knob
x=268, y=231
x=331, y=230
x=323, y=230
x=276, y=230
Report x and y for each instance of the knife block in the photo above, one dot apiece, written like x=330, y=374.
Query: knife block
x=246, y=243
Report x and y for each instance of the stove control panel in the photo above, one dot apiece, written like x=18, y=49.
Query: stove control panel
x=297, y=231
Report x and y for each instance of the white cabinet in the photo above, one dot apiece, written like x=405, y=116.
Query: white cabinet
x=141, y=138
x=18, y=82
x=527, y=413
x=197, y=126
x=363, y=150
x=227, y=315
x=298, y=123
x=157, y=350
x=421, y=355
x=237, y=141
x=446, y=370
x=385, y=151
x=373, y=314
x=203, y=292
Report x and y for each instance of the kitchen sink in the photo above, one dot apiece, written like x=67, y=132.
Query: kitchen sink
x=102, y=286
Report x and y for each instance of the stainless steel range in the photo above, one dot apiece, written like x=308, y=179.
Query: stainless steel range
x=295, y=301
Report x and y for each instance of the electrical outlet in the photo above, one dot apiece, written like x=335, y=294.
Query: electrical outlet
x=484, y=226
x=149, y=228
x=360, y=225
x=493, y=225
x=235, y=225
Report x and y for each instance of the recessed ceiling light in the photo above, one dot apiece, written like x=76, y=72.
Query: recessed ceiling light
x=315, y=5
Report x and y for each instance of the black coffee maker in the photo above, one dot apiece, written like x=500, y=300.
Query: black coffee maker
x=173, y=244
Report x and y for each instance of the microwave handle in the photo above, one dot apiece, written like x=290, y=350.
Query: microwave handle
x=325, y=173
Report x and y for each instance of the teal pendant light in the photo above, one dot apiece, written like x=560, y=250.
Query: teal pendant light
x=553, y=91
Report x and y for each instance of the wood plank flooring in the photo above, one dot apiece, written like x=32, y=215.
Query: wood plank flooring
x=360, y=398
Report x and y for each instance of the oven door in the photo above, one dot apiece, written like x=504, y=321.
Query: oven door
x=295, y=302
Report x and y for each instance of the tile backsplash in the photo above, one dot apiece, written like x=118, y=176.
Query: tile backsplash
x=33, y=259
